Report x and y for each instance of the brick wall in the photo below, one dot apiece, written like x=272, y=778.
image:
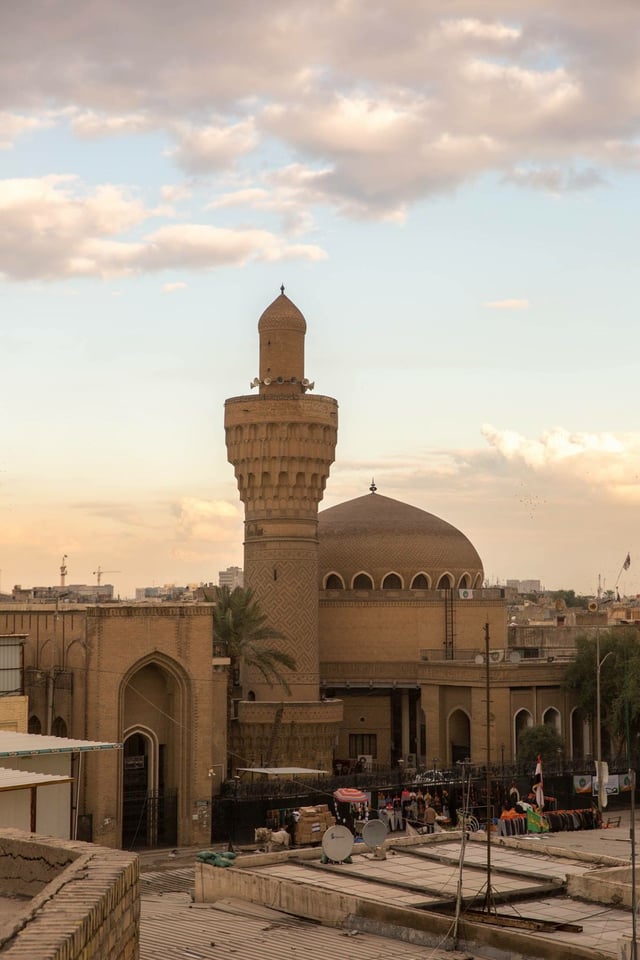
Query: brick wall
x=84, y=904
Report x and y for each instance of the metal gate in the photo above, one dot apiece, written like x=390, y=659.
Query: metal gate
x=150, y=819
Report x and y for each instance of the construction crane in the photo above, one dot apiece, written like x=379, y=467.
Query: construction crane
x=98, y=573
x=63, y=570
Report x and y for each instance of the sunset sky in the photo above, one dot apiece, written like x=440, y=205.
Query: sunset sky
x=450, y=192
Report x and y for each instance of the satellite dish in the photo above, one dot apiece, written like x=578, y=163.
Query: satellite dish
x=593, y=607
x=294, y=379
x=280, y=379
x=383, y=817
x=304, y=382
x=374, y=834
x=267, y=381
x=515, y=656
x=337, y=843
x=479, y=658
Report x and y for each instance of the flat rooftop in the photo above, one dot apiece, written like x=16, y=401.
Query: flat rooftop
x=410, y=895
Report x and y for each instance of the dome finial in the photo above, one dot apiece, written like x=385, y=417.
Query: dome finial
x=373, y=487
x=282, y=288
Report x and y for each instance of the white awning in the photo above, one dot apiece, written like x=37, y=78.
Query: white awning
x=24, y=779
x=281, y=771
x=32, y=745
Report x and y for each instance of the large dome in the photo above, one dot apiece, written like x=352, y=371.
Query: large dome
x=378, y=536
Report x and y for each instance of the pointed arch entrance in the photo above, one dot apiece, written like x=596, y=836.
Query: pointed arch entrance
x=459, y=736
x=156, y=752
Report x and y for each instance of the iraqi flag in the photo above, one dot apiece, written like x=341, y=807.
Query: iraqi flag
x=538, y=786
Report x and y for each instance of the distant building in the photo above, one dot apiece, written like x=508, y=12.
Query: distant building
x=168, y=591
x=71, y=593
x=525, y=586
x=232, y=577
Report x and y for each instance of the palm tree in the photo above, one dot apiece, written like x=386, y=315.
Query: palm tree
x=240, y=628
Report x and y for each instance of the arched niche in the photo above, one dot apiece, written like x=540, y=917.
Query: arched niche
x=333, y=581
x=459, y=725
x=392, y=581
x=154, y=699
x=362, y=581
x=521, y=722
x=551, y=718
x=421, y=581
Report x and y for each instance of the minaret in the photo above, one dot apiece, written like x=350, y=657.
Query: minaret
x=281, y=443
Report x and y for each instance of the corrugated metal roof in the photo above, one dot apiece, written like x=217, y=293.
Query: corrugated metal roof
x=31, y=744
x=171, y=927
x=21, y=779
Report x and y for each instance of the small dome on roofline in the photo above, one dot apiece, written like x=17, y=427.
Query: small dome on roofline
x=381, y=536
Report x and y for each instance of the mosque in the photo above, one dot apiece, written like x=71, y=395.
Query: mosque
x=381, y=603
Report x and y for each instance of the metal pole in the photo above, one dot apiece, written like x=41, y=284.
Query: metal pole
x=632, y=837
x=598, y=728
x=488, y=899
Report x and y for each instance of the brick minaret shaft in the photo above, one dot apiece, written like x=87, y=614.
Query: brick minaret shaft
x=282, y=443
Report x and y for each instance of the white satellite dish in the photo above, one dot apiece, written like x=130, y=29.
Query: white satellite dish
x=374, y=833
x=337, y=843
x=304, y=382
x=515, y=656
x=479, y=658
x=267, y=381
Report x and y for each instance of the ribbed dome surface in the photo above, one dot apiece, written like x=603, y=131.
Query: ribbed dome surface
x=378, y=535
x=282, y=313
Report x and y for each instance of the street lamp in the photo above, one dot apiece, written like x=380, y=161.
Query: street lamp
x=599, y=662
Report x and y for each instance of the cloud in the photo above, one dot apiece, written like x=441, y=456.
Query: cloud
x=512, y=304
x=55, y=227
x=391, y=108
x=93, y=125
x=216, y=147
x=172, y=287
x=13, y=126
x=553, y=446
x=206, y=520
x=555, y=179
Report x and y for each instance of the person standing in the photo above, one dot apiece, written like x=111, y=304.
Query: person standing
x=430, y=819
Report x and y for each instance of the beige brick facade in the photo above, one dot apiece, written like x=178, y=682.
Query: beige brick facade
x=136, y=675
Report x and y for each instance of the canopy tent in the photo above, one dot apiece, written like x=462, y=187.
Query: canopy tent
x=282, y=771
x=350, y=795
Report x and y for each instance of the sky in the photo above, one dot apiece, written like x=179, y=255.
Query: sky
x=448, y=190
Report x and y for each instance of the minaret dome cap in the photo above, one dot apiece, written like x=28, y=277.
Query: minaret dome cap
x=282, y=314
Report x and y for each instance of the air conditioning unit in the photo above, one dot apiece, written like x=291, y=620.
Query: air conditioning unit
x=366, y=762
x=496, y=656
x=410, y=760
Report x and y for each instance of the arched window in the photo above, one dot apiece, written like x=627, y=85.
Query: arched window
x=59, y=728
x=334, y=582
x=34, y=724
x=551, y=718
x=420, y=582
x=465, y=581
x=445, y=582
x=522, y=720
x=362, y=582
x=392, y=582
x=459, y=736
x=477, y=583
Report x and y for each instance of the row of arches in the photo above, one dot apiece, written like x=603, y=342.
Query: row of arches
x=459, y=730
x=394, y=581
x=281, y=431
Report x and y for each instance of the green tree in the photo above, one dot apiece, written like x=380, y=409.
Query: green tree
x=619, y=684
x=240, y=628
x=543, y=741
